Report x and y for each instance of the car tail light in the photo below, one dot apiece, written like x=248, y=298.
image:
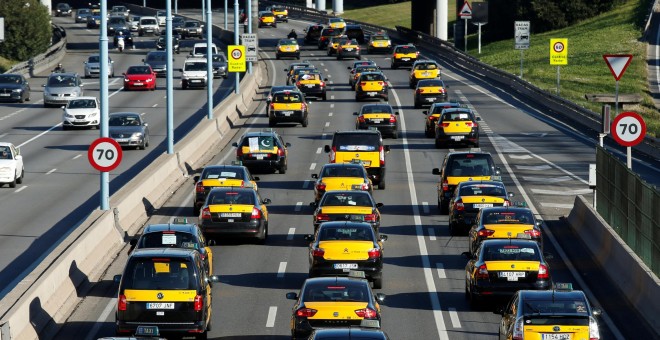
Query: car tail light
x=199, y=303
x=206, y=214
x=239, y=151
x=366, y=313
x=482, y=272
x=256, y=213
x=242, y=184
x=322, y=84
x=199, y=188
x=320, y=186
x=361, y=119
x=322, y=217
x=382, y=156
x=458, y=205
x=333, y=154
x=442, y=90
x=298, y=83
x=357, y=48
x=485, y=232
x=470, y=124
x=280, y=152
x=303, y=106
x=363, y=83
x=507, y=203
x=324, y=38
x=202, y=256
x=543, y=272
x=305, y=312
x=417, y=53
x=392, y=119
x=318, y=252
x=380, y=83
x=419, y=90
x=121, y=303
x=262, y=19
x=445, y=186
x=272, y=106
x=594, y=332
x=370, y=218
x=444, y=125
x=533, y=232
x=518, y=329
x=374, y=253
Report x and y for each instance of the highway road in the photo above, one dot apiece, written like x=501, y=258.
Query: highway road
x=60, y=187
x=543, y=162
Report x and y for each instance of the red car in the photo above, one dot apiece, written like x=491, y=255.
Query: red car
x=140, y=77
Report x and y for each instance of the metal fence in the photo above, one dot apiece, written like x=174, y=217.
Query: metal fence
x=630, y=205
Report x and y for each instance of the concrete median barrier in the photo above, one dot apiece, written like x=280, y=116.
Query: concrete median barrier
x=631, y=276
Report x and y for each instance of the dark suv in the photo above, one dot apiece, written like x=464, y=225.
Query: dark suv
x=355, y=32
x=313, y=33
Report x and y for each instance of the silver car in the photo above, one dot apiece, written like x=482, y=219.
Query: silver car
x=62, y=87
x=128, y=129
x=82, y=14
x=93, y=66
x=81, y=112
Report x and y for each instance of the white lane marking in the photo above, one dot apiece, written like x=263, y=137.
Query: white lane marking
x=507, y=146
x=330, y=82
x=306, y=183
x=143, y=113
x=313, y=166
x=534, y=167
x=520, y=156
x=289, y=236
x=319, y=150
x=330, y=114
x=441, y=270
x=272, y=312
x=329, y=76
x=39, y=135
x=77, y=156
x=453, y=316
x=100, y=321
x=325, y=69
x=154, y=105
x=324, y=135
x=281, y=270
x=332, y=106
x=556, y=205
x=14, y=113
x=425, y=207
x=51, y=171
x=322, y=64
x=332, y=96
x=3, y=135
x=298, y=206
x=565, y=192
x=423, y=251
x=546, y=179
x=327, y=124
x=431, y=234
x=21, y=188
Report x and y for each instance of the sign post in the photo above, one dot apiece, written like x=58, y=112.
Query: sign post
x=521, y=32
x=251, y=44
x=628, y=129
x=558, y=55
x=465, y=13
x=2, y=29
x=617, y=63
x=236, y=61
x=104, y=154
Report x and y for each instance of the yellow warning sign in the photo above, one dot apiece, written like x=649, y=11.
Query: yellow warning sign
x=559, y=51
x=236, y=60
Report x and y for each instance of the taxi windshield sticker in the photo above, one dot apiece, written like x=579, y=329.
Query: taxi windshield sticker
x=463, y=116
x=510, y=251
x=357, y=148
x=254, y=144
x=580, y=307
x=189, y=245
x=169, y=239
x=228, y=174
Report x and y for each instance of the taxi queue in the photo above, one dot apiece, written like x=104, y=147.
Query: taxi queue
x=169, y=271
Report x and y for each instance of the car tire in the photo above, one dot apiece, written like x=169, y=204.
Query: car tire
x=20, y=179
x=395, y=135
x=394, y=66
x=184, y=86
x=263, y=235
x=195, y=210
x=312, y=274
x=452, y=229
x=381, y=185
x=305, y=122
x=283, y=169
x=202, y=336
x=428, y=133
x=417, y=105
x=65, y=127
x=12, y=184
x=325, y=97
x=277, y=56
x=271, y=123
x=378, y=281
x=339, y=57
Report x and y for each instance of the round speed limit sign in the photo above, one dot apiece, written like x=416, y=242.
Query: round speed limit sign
x=236, y=54
x=104, y=154
x=628, y=129
x=558, y=47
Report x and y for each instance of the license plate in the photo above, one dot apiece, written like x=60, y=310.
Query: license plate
x=426, y=74
x=5, y=94
x=195, y=81
x=310, y=85
x=121, y=140
x=357, y=218
x=160, y=305
x=366, y=163
x=230, y=214
x=405, y=59
x=457, y=137
x=259, y=156
x=138, y=84
x=287, y=113
x=80, y=120
x=482, y=205
x=345, y=265
x=559, y=336
x=431, y=99
x=512, y=276
x=371, y=93
x=349, y=49
x=377, y=120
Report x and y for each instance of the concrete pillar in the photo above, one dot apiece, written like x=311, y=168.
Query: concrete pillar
x=441, y=20
x=337, y=7
x=309, y=4
x=320, y=5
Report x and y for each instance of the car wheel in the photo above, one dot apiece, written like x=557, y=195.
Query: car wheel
x=381, y=185
x=202, y=336
x=395, y=134
x=339, y=57
x=146, y=141
x=21, y=100
x=12, y=184
x=20, y=179
x=325, y=96
x=283, y=169
x=452, y=229
x=65, y=127
x=277, y=56
x=378, y=281
x=195, y=210
x=394, y=66
x=438, y=144
x=305, y=122
x=312, y=274
x=428, y=133
x=184, y=86
x=417, y=105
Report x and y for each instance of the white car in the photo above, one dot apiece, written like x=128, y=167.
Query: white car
x=199, y=50
x=193, y=73
x=81, y=112
x=93, y=66
x=161, y=16
x=11, y=165
x=148, y=26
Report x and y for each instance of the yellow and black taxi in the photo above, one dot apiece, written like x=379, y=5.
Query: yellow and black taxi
x=274, y=89
x=280, y=13
x=433, y=114
x=312, y=34
x=291, y=80
x=368, y=329
x=267, y=18
x=471, y=196
x=429, y=91
x=339, y=247
x=371, y=85
x=558, y=314
x=293, y=66
x=404, y=55
x=462, y=166
x=288, y=107
x=381, y=117
x=347, y=205
x=167, y=288
x=263, y=149
x=328, y=33
x=336, y=23
x=423, y=69
x=334, y=43
x=358, y=70
x=341, y=176
x=287, y=48
x=312, y=85
x=504, y=222
x=379, y=42
x=499, y=268
x=356, y=64
x=174, y=235
x=363, y=145
x=457, y=126
x=349, y=48
x=212, y=176
x=328, y=302
x=235, y=211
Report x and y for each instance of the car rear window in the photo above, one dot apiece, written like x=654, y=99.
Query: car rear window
x=558, y=306
x=380, y=37
x=406, y=49
x=215, y=173
x=331, y=32
x=457, y=116
x=342, y=171
x=438, y=108
x=345, y=233
x=377, y=108
x=290, y=97
x=230, y=197
x=340, y=291
x=509, y=252
x=159, y=274
x=168, y=239
x=470, y=165
x=431, y=82
x=372, y=77
x=356, y=142
x=482, y=190
x=507, y=217
x=353, y=199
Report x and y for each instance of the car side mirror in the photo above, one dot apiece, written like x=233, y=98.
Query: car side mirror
x=288, y=145
x=234, y=144
x=548, y=256
x=315, y=176
x=81, y=85
x=467, y=255
x=265, y=201
x=387, y=148
x=325, y=79
x=63, y=107
x=285, y=70
x=309, y=237
x=123, y=73
x=510, y=194
x=498, y=310
x=196, y=179
x=213, y=278
x=355, y=113
x=397, y=113
x=43, y=85
x=292, y=296
x=116, y=278
x=378, y=205
x=256, y=179
x=180, y=69
x=498, y=171
x=348, y=67
x=145, y=124
x=538, y=223
x=380, y=297
x=596, y=311
x=133, y=242
x=383, y=238
x=313, y=204
x=84, y=62
x=478, y=119
x=435, y=171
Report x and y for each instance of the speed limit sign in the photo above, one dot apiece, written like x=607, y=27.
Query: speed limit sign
x=104, y=154
x=628, y=129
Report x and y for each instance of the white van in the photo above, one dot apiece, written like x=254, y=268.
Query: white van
x=199, y=49
x=148, y=26
x=193, y=73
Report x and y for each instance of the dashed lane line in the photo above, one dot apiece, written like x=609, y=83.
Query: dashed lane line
x=298, y=206
x=441, y=270
x=281, y=270
x=292, y=232
x=272, y=312
x=21, y=188
x=425, y=207
x=453, y=316
x=51, y=171
x=431, y=234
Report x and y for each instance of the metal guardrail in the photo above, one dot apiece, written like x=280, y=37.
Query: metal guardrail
x=630, y=206
x=41, y=62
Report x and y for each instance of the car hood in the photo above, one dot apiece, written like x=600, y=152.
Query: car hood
x=62, y=90
x=219, y=64
x=10, y=86
x=93, y=64
x=125, y=129
x=159, y=64
x=7, y=163
x=138, y=76
x=83, y=111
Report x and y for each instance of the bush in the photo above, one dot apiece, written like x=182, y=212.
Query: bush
x=27, y=29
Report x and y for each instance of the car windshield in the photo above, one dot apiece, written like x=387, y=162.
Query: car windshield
x=156, y=57
x=62, y=81
x=83, y=11
x=231, y=197
x=124, y=120
x=219, y=58
x=345, y=233
x=215, y=173
x=356, y=141
x=507, y=217
x=81, y=104
x=356, y=199
x=342, y=171
x=148, y=21
x=344, y=291
x=378, y=108
x=112, y=21
x=138, y=70
x=482, y=190
x=177, y=20
x=288, y=42
x=195, y=66
x=161, y=13
x=168, y=239
x=10, y=79
x=509, y=252
x=159, y=274
x=437, y=108
x=471, y=165
x=192, y=24
x=456, y=116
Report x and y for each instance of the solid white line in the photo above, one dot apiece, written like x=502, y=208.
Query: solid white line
x=565, y=192
x=441, y=270
x=327, y=124
x=329, y=76
x=39, y=135
x=453, y=316
x=21, y=188
x=272, y=312
x=425, y=207
x=51, y=171
x=289, y=236
x=325, y=69
x=306, y=183
x=423, y=252
x=143, y=113
x=100, y=321
x=431, y=234
x=298, y=206
x=154, y=105
x=520, y=156
x=319, y=150
x=322, y=64
x=312, y=166
x=281, y=270
x=77, y=156
x=534, y=167
x=556, y=205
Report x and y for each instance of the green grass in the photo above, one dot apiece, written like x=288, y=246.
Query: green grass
x=5, y=64
x=614, y=32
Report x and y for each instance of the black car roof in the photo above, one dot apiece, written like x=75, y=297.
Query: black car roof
x=350, y=333
x=155, y=228
x=358, y=132
x=334, y=279
x=502, y=208
x=552, y=294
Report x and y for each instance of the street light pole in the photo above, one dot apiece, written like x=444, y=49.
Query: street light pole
x=237, y=80
x=105, y=107
x=209, y=62
x=169, y=78
x=248, y=22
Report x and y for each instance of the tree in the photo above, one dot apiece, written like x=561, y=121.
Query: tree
x=27, y=29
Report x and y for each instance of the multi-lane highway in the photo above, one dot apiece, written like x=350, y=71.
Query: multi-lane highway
x=60, y=187
x=543, y=162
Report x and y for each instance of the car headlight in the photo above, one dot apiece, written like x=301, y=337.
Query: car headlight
x=75, y=94
x=68, y=115
x=149, y=80
x=184, y=76
x=126, y=79
x=93, y=115
x=17, y=90
x=137, y=134
x=46, y=93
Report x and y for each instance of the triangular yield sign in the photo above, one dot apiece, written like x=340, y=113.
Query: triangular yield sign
x=617, y=63
x=466, y=10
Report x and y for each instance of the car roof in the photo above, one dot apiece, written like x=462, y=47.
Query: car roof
x=224, y=166
x=335, y=279
x=358, y=132
x=463, y=153
x=124, y=113
x=260, y=133
x=341, y=165
x=350, y=333
x=466, y=183
x=345, y=224
x=163, y=252
x=552, y=294
x=85, y=98
x=233, y=189
x=509, y=241
x=68, y=74
x=155, y=228
x=349, y=192
x=195, y=59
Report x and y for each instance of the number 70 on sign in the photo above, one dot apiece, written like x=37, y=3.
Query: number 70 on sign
x=104, y=154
